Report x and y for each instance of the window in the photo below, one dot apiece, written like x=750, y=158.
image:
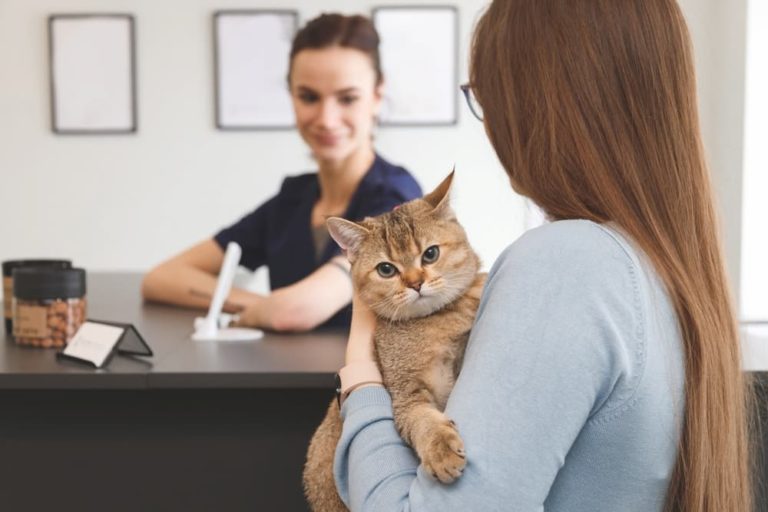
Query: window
x=754, y=246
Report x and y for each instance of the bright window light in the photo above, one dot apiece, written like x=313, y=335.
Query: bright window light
x=754, y=247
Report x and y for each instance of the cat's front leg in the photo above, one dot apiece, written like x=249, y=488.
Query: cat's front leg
x=434, y=437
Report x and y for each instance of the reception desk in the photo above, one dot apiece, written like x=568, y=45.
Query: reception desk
x=200, y=426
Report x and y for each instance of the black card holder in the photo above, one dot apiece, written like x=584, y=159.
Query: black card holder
x=130, y=343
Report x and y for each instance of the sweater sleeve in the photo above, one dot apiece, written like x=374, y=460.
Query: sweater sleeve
x=557, y=343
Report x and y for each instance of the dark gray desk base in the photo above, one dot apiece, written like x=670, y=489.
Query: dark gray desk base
x=168, y=450
x=760, y=449
x=156, y=450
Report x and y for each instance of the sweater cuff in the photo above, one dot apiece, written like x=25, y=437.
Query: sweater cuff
x=366, y=397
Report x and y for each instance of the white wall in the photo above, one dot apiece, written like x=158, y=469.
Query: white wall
x=126, y=202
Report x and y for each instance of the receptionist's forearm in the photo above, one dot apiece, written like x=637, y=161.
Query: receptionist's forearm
x=282, y=310
x=190, y=287
x=303, y=305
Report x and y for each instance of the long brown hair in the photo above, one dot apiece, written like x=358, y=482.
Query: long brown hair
x=590, y=106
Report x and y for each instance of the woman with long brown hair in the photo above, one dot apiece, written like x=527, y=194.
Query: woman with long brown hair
x=603, y=371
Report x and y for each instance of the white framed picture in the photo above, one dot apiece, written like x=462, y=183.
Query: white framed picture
x=251, y=49
x=419, y=57
x=93, y=73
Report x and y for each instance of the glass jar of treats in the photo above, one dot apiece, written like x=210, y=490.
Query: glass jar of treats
x=49, y=305
x=8, y=267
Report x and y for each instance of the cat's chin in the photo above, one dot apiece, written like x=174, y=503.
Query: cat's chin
x=420, y=306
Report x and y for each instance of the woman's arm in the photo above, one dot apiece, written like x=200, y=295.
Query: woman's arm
x=305, y=304
x=189, y=279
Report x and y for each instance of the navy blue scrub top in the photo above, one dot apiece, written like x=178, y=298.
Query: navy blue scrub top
x=279, y=233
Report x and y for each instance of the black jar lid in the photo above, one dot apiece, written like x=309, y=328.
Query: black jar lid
x=9, y=265
x=40, y=283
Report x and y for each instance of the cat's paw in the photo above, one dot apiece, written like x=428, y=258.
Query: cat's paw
x=444, y=457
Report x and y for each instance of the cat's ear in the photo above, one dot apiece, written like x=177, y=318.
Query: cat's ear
x=347, y=234
x=439, y=198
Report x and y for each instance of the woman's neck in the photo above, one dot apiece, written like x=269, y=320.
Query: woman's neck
x=339, y=179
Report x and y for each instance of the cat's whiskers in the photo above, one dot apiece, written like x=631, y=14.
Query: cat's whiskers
x=461, y=278
x=380, y=302
x=451, y=286
x=390, y=305
x=433, y=287
x=386, y=305
x=397, y=309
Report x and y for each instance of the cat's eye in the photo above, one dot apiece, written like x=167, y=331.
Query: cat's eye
x=431, y=254
x=386, y=269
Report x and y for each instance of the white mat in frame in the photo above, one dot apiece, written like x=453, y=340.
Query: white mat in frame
x=251, y=49
x=419, y=54
x=93, y=73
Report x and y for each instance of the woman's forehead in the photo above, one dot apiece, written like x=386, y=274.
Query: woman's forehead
x=331, y=70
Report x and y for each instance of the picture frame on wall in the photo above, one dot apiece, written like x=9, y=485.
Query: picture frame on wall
x=251, y=52
x=92, y=73
x=419, y=57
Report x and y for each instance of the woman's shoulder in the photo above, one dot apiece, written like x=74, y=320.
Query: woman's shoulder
x=569, y=246
x=299, y=185
x=581, y=262
x=388, y=177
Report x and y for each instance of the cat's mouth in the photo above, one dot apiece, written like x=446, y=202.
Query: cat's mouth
x=420, y=303
x=411, y=303
x=423, y=293
x=424, y=298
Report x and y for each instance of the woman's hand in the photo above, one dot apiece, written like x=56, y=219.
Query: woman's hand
x=251, y=314
x=360, y=344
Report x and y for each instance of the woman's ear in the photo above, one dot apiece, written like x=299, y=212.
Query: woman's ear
x=347, y=234
x=378, y=99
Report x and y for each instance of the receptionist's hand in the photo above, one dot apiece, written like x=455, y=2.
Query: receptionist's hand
x=249, y=316
x=360, y=344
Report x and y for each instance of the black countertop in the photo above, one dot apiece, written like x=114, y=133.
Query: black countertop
x=277, y=361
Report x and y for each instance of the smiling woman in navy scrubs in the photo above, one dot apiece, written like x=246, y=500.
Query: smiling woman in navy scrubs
x=336, y=87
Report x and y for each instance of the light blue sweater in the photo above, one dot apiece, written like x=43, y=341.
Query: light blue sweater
x=570, y=397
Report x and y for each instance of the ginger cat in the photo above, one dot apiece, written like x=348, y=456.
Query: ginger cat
x=415, y=269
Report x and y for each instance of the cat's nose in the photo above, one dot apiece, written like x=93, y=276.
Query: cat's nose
x=416, y=285
x=412, y=278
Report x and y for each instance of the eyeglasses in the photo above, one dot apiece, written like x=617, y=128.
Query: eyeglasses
x=474, y=105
